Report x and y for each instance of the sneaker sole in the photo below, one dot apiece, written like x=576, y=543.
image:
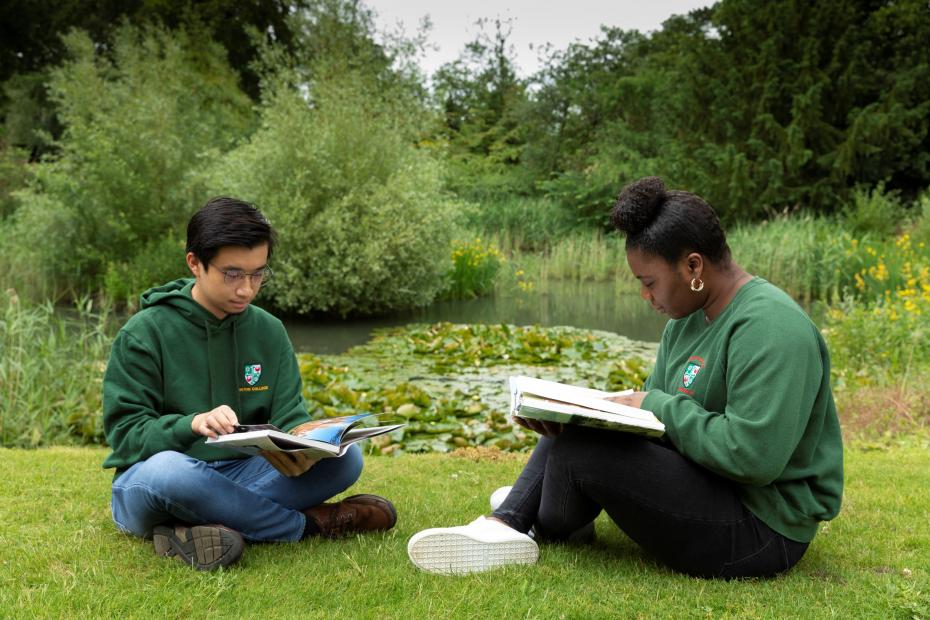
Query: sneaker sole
x=208, y=548
x=449, y=553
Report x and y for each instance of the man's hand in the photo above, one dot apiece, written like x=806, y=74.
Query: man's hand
x=546, y=429
x=290, y=463
x=633, y=400
x=215, y=422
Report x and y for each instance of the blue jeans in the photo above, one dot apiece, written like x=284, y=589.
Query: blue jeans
x=247, y=495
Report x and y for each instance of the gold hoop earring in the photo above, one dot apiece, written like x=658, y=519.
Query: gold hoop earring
x=697, y=288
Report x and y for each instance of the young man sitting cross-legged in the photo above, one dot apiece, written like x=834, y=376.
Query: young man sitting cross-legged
x=197, y=360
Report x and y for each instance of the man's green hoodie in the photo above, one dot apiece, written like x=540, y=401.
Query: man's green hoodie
x=174, y=359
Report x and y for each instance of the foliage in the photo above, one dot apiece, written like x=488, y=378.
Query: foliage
x=463, y=346
x=755, y=109
x=482, y=102
x=29, y=119
x=873, y=210
x=160, y=260
x=51, y=368
x=33, y=30
x=448, y=381
x=921, y=230
x=530, y=223
x=879, y=332
x=474, y=270
x=591, y=256
x=808, y=257
x=13, y=176
x=137, y=125
x=364, y=225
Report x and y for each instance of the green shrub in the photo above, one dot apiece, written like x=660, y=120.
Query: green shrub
x=874, y=210
x=13, y=175
x=159, y=261
x=51, y=368
x=140, y=116
x=364, y=225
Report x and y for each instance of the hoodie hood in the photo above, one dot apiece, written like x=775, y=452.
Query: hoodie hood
x=177, y=294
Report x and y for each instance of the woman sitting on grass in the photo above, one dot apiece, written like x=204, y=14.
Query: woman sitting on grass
x=752, y=458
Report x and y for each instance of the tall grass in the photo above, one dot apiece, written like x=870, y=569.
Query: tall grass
x=581, y=256
x=808, y=257
x=51, y=368
x=527, y=224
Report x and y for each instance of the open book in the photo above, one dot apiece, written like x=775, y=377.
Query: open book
x=322, y=438
x=551, y=401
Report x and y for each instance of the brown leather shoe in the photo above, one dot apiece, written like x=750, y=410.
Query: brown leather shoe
x=359, y=513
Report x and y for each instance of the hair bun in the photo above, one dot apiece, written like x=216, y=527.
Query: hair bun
x=638, y=204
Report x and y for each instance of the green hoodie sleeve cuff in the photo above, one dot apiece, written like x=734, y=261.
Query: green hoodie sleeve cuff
x=182, y=431
x=653, y=402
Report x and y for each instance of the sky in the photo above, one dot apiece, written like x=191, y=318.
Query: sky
x=534, y=23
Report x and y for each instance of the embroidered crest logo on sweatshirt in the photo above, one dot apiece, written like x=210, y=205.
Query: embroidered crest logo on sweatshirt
x=252, y=373
x=692, y=368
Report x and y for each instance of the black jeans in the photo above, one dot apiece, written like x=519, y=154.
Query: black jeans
x=686, y=516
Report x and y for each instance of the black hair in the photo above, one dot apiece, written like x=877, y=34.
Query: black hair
x=225, y=221
x=668, y=223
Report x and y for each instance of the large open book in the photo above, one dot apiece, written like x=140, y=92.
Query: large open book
x=321, y=438
x=551, y=401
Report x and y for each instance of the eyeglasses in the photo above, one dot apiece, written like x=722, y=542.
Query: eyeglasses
x=235, y=276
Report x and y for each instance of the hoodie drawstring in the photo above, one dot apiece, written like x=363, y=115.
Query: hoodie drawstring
x=206, y=326
x=236, y=367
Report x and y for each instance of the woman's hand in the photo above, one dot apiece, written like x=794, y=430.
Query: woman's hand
x=546, y=429
x=631, y=400
x=290, y=464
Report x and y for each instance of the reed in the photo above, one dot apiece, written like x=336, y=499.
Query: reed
x=51, y=368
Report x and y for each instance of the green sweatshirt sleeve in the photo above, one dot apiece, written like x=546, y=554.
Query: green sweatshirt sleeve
x=773, y=373
x=288, y=409
x=133, y=420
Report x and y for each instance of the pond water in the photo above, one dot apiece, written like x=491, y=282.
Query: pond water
x=593, y=305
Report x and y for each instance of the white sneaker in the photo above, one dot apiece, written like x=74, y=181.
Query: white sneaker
x=481, y=545
x=498, y=497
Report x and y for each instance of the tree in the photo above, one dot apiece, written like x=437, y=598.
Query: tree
x=139, y=121
x=481, y=100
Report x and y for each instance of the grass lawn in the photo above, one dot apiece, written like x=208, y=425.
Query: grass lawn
x=61, y=556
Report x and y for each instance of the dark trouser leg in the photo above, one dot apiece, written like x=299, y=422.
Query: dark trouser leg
x=520, y=508
x=686, y=516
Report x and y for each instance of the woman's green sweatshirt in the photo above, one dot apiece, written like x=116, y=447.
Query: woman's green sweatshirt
x=748, y=396
x=174, y=359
